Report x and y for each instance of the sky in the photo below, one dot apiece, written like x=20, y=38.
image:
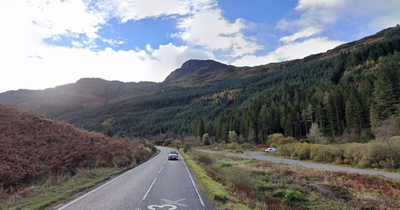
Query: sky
x=46, y=43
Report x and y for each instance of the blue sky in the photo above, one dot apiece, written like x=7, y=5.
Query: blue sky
x=46, y=43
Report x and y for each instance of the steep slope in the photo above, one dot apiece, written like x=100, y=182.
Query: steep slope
x=195, y=72
x=33, y=147
x=199, y=72
x=326, y=91
x=87, y=92
x=92, y=92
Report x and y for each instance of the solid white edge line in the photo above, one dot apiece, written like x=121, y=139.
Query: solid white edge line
x=109, y=182
x=194, y=185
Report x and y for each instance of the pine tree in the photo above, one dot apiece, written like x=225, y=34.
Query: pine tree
x=199, y=128
x=386, y=93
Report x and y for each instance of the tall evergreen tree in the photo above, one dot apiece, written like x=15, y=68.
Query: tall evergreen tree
x=387, y=91
x=199, y=128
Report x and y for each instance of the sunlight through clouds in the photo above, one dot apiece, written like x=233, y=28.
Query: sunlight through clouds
x=58, y=42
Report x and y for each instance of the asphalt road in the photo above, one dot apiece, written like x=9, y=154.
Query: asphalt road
x=261, y=156
x=158, y=184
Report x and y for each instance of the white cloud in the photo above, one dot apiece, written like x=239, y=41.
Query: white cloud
x=62, y=65
x=295, y=50
x=207, y=28
x=30, y=63
x=113, y=42
x=60, y=17
x=290, y=51
x=321, y=13
x=139, y=9
x=301, y=34
x=252, y=60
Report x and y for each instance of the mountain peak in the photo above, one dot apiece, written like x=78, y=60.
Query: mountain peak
x=206, y=71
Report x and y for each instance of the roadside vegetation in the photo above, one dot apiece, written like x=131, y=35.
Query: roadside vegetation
x=342, y=109
x=55, y=190
x=257, y=184
x=38, y=155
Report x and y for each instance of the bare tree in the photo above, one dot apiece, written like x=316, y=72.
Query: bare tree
x=315, y=134
x=387, y=128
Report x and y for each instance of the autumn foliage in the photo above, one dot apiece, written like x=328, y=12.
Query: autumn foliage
x=32, y=148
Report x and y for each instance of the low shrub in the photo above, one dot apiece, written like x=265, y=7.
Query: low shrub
x=232, y=146
x=203, y=158
x=247, y=146
x=293, y=195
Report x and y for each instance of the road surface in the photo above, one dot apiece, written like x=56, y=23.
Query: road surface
x=261, y=156
x=158, y=184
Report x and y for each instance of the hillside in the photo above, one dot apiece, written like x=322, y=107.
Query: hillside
x=348, y=95
x=87, y=92
x=195, y=72
x=33, y=148
x=91, y=92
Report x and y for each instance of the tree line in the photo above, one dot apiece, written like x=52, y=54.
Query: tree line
x=346, y=95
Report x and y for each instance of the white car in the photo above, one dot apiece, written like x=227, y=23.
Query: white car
x=270, y=150
x=173, y=155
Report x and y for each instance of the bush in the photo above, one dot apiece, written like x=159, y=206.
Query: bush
x=316, y=152
x=176, y=143
x=274, y=138
x=247, y=146
x=303, y=151
x=187, y=147
x=287, y=149
x=232, y=146
x=239, y=177
x=286, y=140
x=293, y=195
x=167, y=142
x=203, y=158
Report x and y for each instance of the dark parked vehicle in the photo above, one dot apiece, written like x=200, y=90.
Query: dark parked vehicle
x=173, y=155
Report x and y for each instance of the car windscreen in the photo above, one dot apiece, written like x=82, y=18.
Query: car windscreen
x=173, y=152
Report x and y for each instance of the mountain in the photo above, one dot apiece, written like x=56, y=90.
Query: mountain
x=348, y=94
x=87, y=92
x=198, y=72
x=92, y=92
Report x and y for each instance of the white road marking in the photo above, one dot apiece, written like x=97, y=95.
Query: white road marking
x=171, y=207
x=83, y=196
x=175, y=202
x=194, y=185
x=154, y=181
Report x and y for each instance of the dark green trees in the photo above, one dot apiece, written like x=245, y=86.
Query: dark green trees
x=199, y=128
x=387, y=90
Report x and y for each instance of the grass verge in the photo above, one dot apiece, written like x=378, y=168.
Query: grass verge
x=258, y=184
x=215, y=191
x=60, y=189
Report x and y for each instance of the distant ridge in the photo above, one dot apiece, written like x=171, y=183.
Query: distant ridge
x=91, y=92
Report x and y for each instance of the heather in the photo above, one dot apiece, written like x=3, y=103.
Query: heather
x=34, y=149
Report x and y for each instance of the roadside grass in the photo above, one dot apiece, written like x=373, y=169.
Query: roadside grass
x=261, y=148
x=259, y=184
x=215, y=191
x=58, y=190
x=55, y=190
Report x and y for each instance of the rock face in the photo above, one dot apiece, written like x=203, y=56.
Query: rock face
x=199, y=72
